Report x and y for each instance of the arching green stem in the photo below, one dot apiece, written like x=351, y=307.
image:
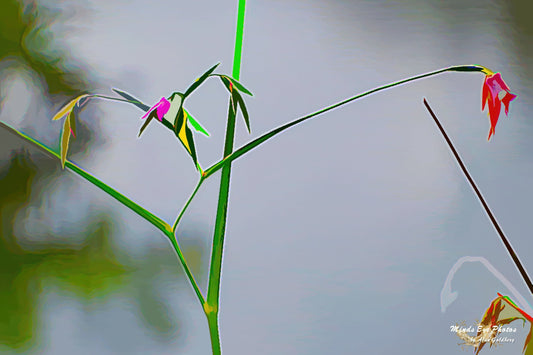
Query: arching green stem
x=256, y=142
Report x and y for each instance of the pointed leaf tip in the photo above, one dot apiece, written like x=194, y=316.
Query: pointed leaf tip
x=137, y=102
x=65, y=139
x=236, y=99
x=200, y=80
x=237, y=84
x=241, y=104
x=68, y=107
x=195, y=124
x=71, y=117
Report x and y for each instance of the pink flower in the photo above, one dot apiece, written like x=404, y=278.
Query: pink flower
x=161, y=108
x=495, y=92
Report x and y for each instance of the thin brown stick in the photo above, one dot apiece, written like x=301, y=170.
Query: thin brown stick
x=504, y=240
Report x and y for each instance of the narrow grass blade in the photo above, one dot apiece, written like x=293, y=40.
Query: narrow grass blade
x=138, y=102
x=237, y=97
x=65, y=139
x=196, y=125
x=68, y=107
x=200, y=80
x=148, y=120
x=147, y=215
x=236, y=83
x=72, y=118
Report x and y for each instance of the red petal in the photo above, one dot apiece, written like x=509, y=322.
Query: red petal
x=528, y=317
x=494, y=113
x=506, y=100
x=498, y=78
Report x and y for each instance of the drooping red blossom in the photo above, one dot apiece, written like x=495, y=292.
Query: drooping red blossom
x=494, y=93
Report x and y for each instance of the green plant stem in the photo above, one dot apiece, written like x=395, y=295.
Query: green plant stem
x=212, y=321
x=177, y=249
x=256, y=142
x=147, y=215
x=503, y=238
x=213, y=293
x=178, y=219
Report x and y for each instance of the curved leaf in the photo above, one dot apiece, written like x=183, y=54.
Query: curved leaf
x=237, y=84
x=200, y=80
x=184, y=134
x=65, y=139
x=127, y=96
x=148, y=120
x=236, y=99
x=72, y=118
x=195, y=124
x=68, y=107
x=240, y=101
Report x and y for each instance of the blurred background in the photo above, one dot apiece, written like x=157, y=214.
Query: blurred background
x=341, y=231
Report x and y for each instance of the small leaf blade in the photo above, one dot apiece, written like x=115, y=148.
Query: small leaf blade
x=185, y=136
x=127, y=96
x=65, y=139
x=148, y=120
x=240, y=87
x=71, y=117
x=237, y=84
x=236, y=99
x=68, y=107
x=240, y=101
x=200, y=80
x=195, y=124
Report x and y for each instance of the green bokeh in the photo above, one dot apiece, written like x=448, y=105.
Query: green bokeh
x=91, y=268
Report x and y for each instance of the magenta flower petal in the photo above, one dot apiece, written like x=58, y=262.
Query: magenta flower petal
x=162, y=109
x=150, y=111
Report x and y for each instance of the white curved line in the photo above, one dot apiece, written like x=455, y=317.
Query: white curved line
x=447, y=296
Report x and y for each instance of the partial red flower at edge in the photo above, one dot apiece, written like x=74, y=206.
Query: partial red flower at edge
x=502, y=311
x=494, y=92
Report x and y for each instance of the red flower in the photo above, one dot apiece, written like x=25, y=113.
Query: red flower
x=495, y=91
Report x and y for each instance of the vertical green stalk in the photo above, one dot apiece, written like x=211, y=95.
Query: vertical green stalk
x=211, y=306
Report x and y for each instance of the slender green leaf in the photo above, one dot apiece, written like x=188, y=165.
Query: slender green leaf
x=68, y=107
x=236, y=83
x=228, y=85
x=200, y=80
x=147, y=215
x=148, y=120
x=196, y=125
x=138, y=102
x=184, y=135
x=237, y=97
x=71, y=117
x=65, y=139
